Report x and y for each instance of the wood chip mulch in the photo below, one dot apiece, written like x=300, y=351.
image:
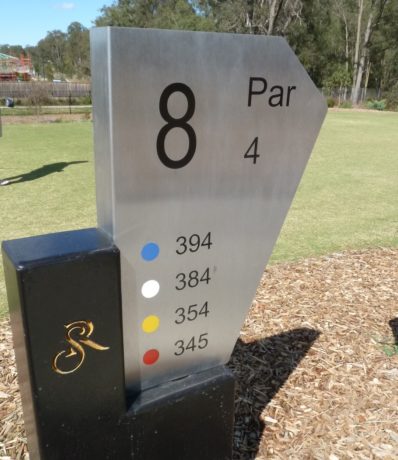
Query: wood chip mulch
x=316, y=364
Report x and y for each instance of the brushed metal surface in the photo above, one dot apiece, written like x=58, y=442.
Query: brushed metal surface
x=244, y=87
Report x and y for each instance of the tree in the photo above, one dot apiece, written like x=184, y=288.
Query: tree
x=339, y=80
x=52, y=52
x=265, y=17
x=334, y=39
x=12, y=50
x=317, y=40
x=383, y=52
x=63, y=54
x=78, y=50
x=171, y=14
x=340, y=8
x=369, y=15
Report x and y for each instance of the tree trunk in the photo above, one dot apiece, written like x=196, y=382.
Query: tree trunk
x=368, y=67
x=347, y=49
x=347, y=53
x=361, y=64
x=343, y=16
x=375, y=15
x=295, y=11
x=250, y=17
x=357, y=44
x=274, y=9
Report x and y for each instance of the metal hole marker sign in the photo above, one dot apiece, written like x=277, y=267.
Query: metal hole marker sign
x=201, y=140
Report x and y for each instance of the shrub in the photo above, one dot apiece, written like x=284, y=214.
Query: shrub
x=85, y=100
x=346, y=105
x=38, y=96
x=392, y=98
x=377, y=105
x=331, y=102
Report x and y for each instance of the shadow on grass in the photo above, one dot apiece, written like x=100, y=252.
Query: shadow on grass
x=261, y=368
x=40, y=172
x=394, y=327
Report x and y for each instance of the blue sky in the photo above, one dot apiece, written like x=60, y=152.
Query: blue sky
x=25, y=22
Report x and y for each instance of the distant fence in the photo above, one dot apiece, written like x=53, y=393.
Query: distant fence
x=344, y=94
x=61, y=89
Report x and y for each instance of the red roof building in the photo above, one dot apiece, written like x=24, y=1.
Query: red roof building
x=14, y=69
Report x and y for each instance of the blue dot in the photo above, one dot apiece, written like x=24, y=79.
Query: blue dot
x=150, y=251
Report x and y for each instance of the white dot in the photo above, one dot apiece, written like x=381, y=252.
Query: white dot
x=150, y=288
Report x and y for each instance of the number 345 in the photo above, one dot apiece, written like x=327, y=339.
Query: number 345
x=193, y=344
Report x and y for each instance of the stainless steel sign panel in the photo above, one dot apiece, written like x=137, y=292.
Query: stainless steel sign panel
x=200, y=141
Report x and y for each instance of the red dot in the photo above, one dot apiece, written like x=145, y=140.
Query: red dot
x=151, y=356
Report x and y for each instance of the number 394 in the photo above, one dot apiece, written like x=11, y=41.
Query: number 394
x=193, y=243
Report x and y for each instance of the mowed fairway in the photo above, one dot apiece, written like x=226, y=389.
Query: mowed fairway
x=55, y=195
x=348, y=196
x=347, y=199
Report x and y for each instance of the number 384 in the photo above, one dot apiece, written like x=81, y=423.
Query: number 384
x=192, y=279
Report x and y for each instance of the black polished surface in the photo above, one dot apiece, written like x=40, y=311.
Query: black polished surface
x=186, y=419
x=65, y=306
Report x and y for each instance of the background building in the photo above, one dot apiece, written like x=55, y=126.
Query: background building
x=14, y=69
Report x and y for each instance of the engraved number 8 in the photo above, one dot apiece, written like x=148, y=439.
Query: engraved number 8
x=176, y=123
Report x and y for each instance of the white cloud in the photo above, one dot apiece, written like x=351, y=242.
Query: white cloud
x=65, y=6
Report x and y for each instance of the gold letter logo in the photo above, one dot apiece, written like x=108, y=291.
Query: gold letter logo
x=75, y=355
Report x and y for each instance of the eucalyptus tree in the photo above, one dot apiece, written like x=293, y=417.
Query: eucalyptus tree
x=383, y=53
x=267, y=17
x=165, y=14
x=51, y=53
x=78, y=50
x=369, y=15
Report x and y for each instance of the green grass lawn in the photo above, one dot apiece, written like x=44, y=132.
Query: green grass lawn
x=47, y=201
x=44, y=110
x=347, y=199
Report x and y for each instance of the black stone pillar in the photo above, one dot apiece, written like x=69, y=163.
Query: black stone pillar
x=65, y=307
x=186, y=419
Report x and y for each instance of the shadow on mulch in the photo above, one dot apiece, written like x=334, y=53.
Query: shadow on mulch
x=261, y=368
x=394, y=327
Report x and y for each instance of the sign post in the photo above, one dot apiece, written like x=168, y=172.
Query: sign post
x=201, y=140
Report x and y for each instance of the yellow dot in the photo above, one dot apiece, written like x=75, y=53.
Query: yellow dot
x=150, y=324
